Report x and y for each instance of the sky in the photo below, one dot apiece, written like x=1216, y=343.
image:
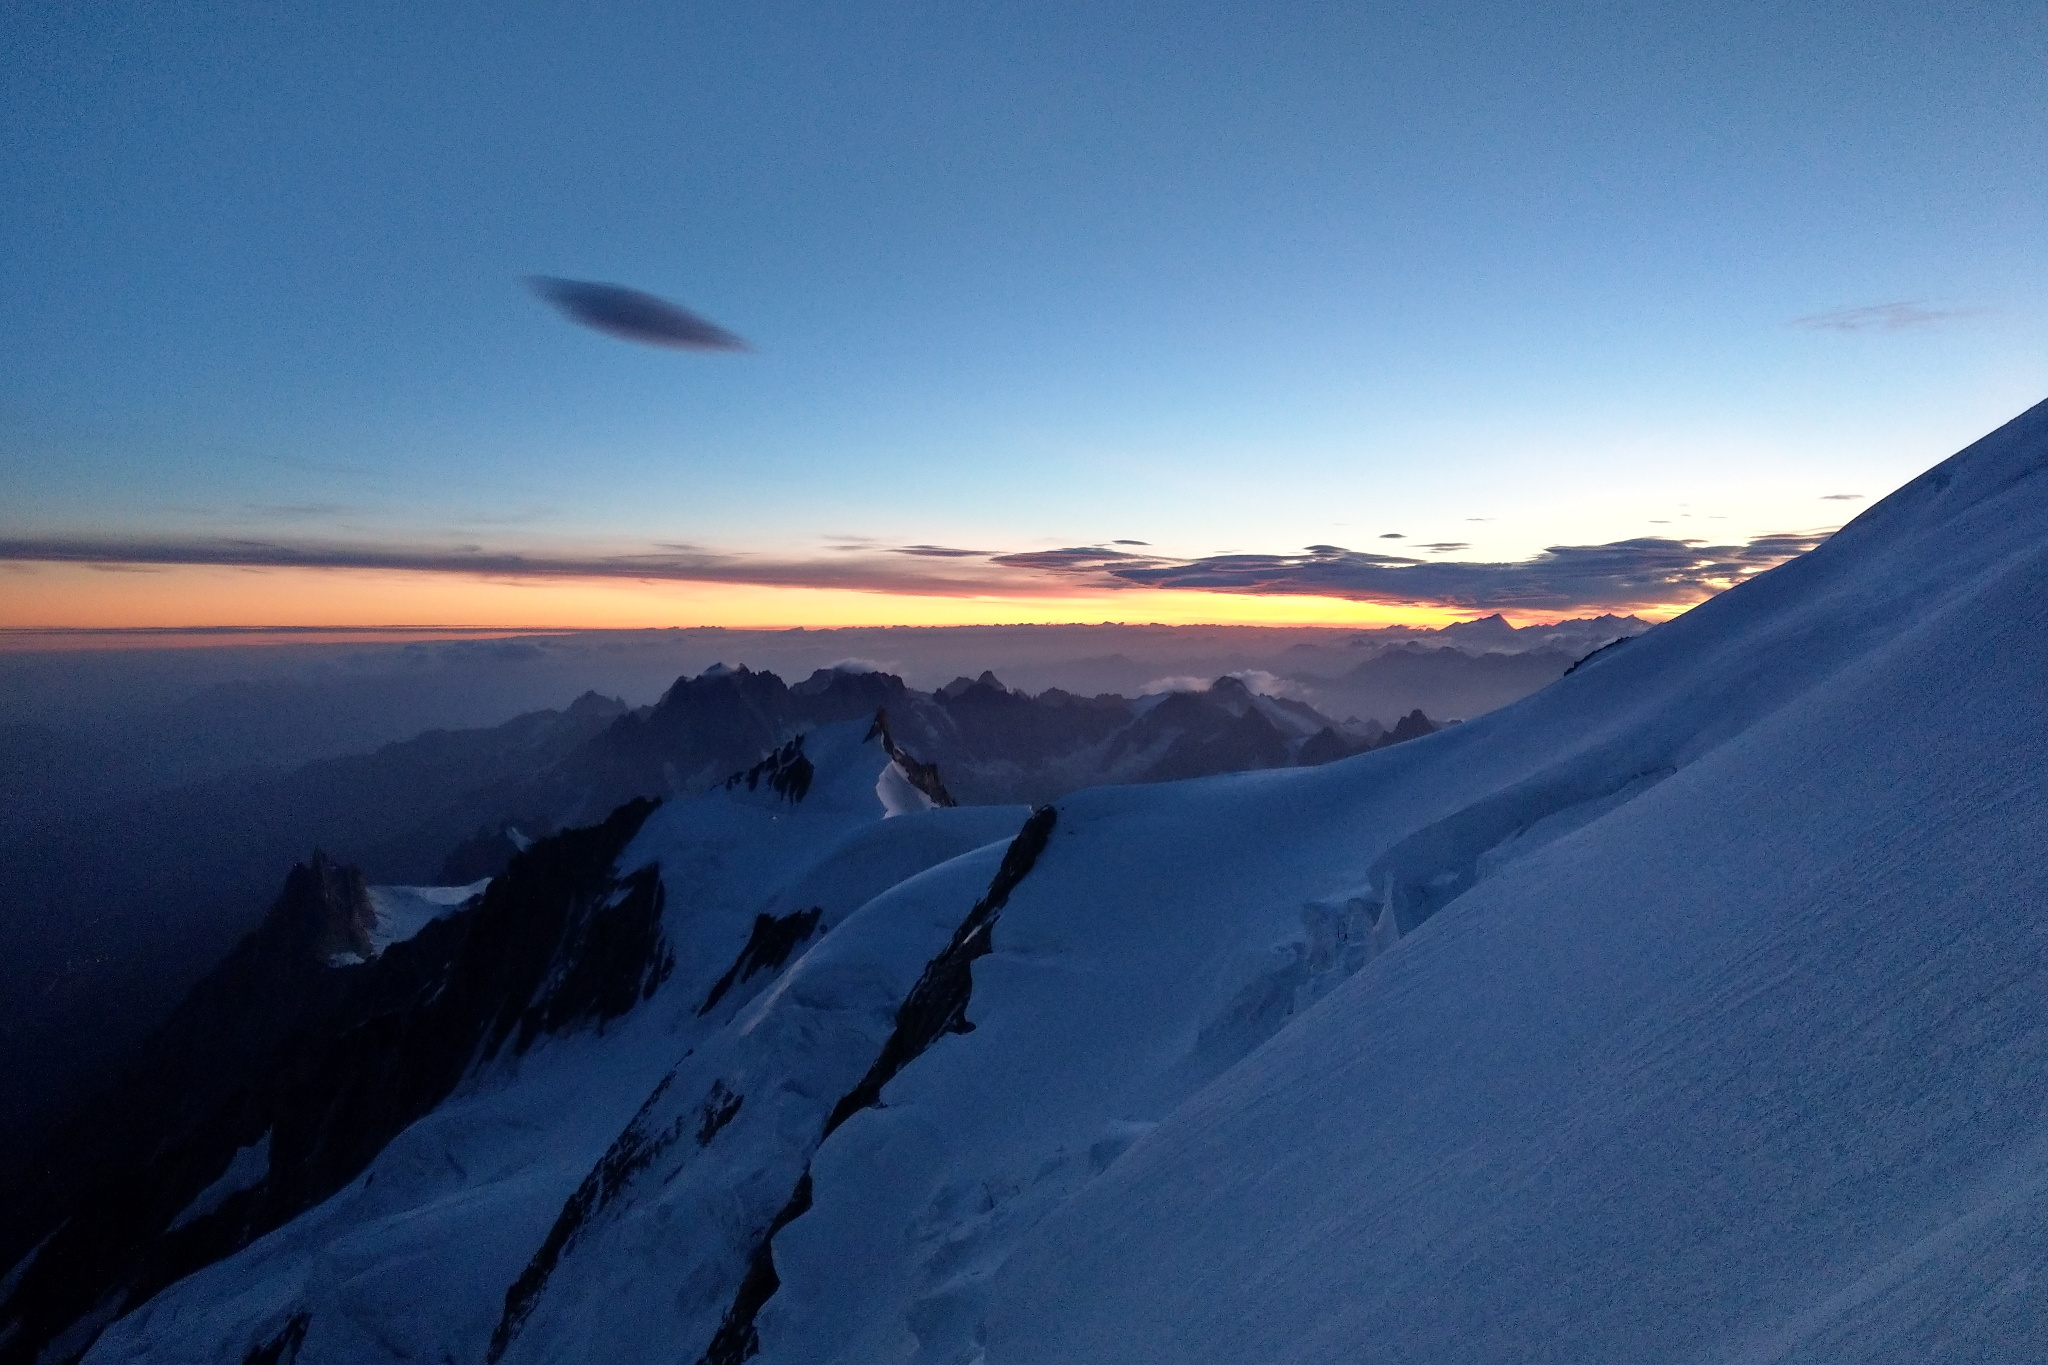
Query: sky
x=1196, y=312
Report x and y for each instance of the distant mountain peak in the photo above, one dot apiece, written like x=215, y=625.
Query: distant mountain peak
x=594, y=704
x=1492, y=629
x=960, y=687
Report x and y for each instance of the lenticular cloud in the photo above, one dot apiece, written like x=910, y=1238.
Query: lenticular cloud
x=631, y=315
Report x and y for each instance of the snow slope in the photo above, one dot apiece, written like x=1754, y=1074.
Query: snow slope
x=1692, y=1009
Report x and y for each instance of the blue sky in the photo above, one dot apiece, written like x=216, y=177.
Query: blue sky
x=1215, y=277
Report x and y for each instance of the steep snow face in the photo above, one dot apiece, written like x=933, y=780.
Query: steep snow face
x=759, y=878
x=1715, y=1035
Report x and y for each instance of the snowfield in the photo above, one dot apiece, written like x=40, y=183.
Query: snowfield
x=1693, y=1009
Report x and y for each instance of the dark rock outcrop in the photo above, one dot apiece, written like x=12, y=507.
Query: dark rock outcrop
x=767, y=947
x=283, y=1348
x=1611, y=644
x=737, y=1339
x=921, y=775
x=633, y=1151
x=330, y=907
x=721, y=1107
x=937, y=1004
x=785, y=771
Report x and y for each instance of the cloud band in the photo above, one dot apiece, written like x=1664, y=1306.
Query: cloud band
x=1643, y=572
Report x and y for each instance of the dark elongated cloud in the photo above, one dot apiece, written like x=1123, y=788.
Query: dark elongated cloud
x=1078, y=560
x=1639, y=572
x=631, y=315
x=1647, y=572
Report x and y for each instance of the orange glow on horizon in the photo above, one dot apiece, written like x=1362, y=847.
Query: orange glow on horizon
x=77, y=596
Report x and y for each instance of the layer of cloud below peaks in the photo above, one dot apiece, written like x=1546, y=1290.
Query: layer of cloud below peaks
x=1643, y=572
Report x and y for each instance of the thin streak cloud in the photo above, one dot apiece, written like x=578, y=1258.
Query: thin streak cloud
x=298, y=511
x=873, y=573
x=1883, y=317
